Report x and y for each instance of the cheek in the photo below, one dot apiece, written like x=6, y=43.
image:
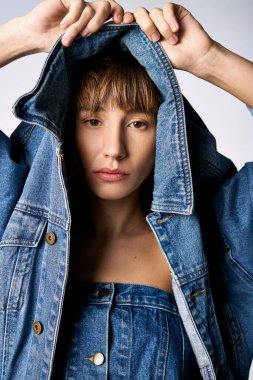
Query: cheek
x=149, y=149
x=85, y=148
x=146, y=156
x=84, y=157
x=151, y=158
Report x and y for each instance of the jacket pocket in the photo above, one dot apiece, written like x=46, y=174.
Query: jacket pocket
x=17, y=249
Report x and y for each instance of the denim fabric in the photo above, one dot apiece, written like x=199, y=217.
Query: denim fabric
x=201, y=216
x=136, y=327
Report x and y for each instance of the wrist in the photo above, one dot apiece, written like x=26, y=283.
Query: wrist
x=29, y=44
x=15, y=40
x=227, y=70
x=209, y=66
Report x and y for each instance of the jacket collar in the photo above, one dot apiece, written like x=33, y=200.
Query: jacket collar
x=47, y=103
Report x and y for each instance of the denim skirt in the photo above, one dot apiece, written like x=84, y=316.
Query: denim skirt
x=122, y=331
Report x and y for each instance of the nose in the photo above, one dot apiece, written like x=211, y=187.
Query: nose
x=115, y=144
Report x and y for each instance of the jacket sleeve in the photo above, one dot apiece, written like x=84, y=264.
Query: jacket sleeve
x=13, y=171
x=233, y=205
x=234, y=214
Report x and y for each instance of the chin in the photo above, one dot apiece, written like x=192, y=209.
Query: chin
x=113, y=194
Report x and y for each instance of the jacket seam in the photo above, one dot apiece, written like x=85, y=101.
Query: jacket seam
x=53, y=218
x=251, y=200
x=207, y=165
x=23, y=138
x=181, y=125
x=237, y=266
x=210, y=364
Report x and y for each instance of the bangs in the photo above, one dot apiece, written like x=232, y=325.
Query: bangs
x=118, y=81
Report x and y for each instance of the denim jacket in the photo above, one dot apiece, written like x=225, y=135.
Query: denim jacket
x=201, y=216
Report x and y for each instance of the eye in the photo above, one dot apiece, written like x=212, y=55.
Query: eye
x=137, y=124
x=92, y=122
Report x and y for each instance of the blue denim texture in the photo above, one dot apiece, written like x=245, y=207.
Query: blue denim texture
x=136, y=327
x=201, y=217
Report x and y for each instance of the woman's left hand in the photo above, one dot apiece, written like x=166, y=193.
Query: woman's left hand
x=183, y=38
x=193, y=50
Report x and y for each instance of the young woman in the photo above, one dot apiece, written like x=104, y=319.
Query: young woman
x=89, y=288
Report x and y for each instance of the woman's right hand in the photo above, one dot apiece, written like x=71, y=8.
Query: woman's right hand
x=50, y=18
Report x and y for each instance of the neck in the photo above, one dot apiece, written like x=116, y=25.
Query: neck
x=112, y=219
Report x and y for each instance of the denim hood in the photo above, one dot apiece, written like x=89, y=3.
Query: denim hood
x=46, y=105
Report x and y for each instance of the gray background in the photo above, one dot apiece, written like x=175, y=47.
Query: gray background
x=227, y=21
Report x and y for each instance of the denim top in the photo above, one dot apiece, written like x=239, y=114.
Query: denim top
x=136, y=329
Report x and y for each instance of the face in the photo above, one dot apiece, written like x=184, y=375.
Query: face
x=117, y=141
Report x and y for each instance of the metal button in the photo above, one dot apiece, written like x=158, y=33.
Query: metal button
x=50, y=238
x=98, y=358
x=103, y=292
x=37, y=328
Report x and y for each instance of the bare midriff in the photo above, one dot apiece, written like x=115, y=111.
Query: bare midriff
x=133, y=259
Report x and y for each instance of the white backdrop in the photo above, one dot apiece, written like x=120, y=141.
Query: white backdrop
x=227, y=21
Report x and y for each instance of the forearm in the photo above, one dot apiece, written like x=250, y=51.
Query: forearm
x=228, y=71
x=15, y=41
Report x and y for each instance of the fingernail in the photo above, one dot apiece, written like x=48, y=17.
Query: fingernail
x=172, y=39
x=64, y=22
x=67, y=40
x=119, y=16
x=173, y=27
x=155, y=36
x=63, y=25
x=86, y=33
x=127, y=19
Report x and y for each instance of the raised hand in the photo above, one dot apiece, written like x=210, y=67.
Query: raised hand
x=50, y=18
x=190, y=48
x=183, y=38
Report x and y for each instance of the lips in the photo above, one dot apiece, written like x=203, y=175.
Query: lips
x=110, y=175
x=110, y=171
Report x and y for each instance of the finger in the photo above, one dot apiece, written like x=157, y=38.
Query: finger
x=128, y=18
x=169, y=10
x=100, y=16
x=143, y=19
x=75, y=11
x=117, y=12
x=77, y=27
x=157, y=16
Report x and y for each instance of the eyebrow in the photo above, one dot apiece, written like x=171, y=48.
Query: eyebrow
x=83, y=109
x=101, y=109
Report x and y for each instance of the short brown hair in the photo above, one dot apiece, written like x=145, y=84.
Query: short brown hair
x=121, y=80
